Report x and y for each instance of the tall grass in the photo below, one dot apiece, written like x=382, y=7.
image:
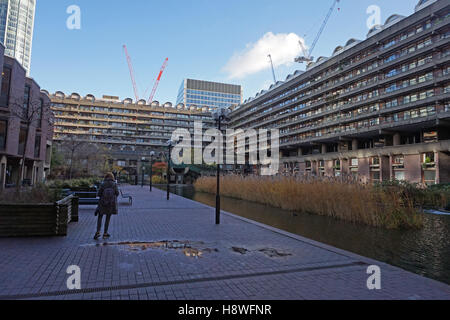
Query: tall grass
x=340, y=199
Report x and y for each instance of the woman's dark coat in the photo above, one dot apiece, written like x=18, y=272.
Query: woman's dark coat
x=109, y=209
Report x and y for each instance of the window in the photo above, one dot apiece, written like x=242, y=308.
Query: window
x=430, y=137
x=37, y=147
x=22, y=140
x=429, y=177
x=400, y=175
x=3, y=128
x=6, y=85
x=428, y=158
x=40, y=111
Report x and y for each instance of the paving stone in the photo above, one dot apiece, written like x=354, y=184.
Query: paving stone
x=35, y=268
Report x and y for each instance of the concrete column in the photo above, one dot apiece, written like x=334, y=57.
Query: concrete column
x=354, y=144
x=299, y=152
x=324, y=148
x=396, y=139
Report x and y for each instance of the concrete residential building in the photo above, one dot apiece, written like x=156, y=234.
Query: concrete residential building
x=377, y=108
x=129, y=130
x=200, y=93
x=23, y=103
x=16, y=29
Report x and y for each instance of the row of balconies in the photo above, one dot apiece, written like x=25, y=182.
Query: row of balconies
x=320, y=103
x=375, y=70
x=351, y=106
x=376, y=128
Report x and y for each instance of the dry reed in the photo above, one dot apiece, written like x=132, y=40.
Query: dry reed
x=336, y=198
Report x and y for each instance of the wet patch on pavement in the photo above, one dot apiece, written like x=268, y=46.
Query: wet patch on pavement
x=188, y=248
x=270, y=252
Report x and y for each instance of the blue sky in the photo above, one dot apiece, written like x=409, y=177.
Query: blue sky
x=199, y=37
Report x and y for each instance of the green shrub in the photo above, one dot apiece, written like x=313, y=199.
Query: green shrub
x=74, y=183
x=158, y=180
x=35, y=195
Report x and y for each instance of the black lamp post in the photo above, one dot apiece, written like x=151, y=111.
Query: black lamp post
x=170, y=145
x=152, y=154
x=219, y=116
x=142, y=169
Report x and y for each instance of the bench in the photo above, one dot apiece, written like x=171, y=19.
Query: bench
x=127, y=196
x=85, y=198
x=88, y=201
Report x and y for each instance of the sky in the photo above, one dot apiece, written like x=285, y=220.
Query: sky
x=224, y=41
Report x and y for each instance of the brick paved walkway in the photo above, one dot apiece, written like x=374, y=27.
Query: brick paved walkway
x=239, y=259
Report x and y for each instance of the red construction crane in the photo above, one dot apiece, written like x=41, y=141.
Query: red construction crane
x=150, y=100
x=130, y=66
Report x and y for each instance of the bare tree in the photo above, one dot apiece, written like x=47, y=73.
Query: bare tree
x=83, y=156
x=72, y=145
x=30, y=112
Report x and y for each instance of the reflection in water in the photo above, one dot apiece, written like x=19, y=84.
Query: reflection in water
x=425, y=252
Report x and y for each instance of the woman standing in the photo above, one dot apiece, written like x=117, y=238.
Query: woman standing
x=108, y=205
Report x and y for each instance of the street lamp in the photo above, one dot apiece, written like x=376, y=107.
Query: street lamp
x=219, y=115
x=152, y=155
x=170, y=145
x=143, y=171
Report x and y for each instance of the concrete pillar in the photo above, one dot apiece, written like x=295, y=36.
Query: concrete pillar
x=396, y=139
x=324, y=148
x=354, y=144
x=299, y=152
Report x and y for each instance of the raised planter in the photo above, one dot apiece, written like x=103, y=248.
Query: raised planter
x=47, y=219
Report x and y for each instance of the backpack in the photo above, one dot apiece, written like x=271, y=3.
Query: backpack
x=108, y=198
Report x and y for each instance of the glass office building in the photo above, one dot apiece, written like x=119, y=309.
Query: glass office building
x=16, y=29
x=209, y=94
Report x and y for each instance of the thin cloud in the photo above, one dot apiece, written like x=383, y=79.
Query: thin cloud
x=284, y=48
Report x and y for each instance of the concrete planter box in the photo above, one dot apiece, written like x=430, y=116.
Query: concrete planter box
x=47, y=219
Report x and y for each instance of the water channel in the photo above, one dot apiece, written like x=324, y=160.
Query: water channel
x=425, y=252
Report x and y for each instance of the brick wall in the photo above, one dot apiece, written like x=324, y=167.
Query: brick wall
x=385, y=169
x=364, y=169
x=443, y=166
x=413, y=168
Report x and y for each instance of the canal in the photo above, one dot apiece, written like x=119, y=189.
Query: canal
x=425, y=252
